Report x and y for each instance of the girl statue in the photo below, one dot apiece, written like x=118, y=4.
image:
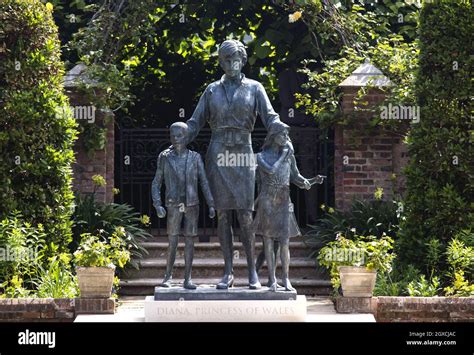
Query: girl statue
x=275, y=219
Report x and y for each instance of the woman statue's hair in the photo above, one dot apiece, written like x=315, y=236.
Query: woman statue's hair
x=231, y=46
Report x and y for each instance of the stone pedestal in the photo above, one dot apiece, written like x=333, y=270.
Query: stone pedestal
x=233, y=305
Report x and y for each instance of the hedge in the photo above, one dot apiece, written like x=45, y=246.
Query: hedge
x=440, y=181
x=36, y=134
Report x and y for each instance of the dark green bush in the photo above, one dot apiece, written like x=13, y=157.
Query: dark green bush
x=36, y=136
x=440, y=187
x=96, y=218
x=395, y=283
x=364, y=218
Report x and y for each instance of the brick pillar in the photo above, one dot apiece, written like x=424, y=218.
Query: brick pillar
x=101, y=162
x=366, y=157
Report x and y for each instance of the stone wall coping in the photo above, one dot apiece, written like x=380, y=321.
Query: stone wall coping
x=410, y=309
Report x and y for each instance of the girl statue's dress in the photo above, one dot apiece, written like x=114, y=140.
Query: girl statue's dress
x=275, y=216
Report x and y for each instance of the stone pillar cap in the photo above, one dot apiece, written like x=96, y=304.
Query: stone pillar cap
x=76, y=76
x=366, y=74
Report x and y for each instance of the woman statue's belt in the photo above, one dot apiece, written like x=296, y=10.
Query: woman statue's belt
x=231, y=136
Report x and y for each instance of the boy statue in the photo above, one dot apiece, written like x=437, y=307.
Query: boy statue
x=181, y=169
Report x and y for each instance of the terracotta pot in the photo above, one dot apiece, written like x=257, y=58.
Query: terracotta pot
x=357, y=281
x=95, y=282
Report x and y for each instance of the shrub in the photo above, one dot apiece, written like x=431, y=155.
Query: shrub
x=36, y=135
x=407, y=280
x=373, y=253
x=94, y=252
x=395, y=283
x=364, y=218
x=14, y=288
x=57, y=281
x=95, y=217
x=25, y=271
x=439, y=184
x=21, y=249
x=423, y=287
x=461, y=262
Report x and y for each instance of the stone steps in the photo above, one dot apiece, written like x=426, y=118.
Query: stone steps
x=204, y=268
x=162, y=238
x=213, y=250
x=208, y=267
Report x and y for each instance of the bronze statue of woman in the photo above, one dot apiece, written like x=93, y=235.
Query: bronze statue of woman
x=230, y=106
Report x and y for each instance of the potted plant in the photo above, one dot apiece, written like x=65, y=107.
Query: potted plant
x=353, y=263
x=96, y=259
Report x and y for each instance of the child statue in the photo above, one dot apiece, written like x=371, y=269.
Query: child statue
x=181, y=170
x=275, y=219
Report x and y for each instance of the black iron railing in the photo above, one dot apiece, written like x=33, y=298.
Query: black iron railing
x=137, y=150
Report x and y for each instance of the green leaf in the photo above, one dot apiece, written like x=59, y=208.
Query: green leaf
x=263, y=51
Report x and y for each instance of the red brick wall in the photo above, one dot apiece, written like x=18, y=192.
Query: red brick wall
x=410, y=309
x=424, y=309
x=366, y=158
x=52, y=309
x=100, y=163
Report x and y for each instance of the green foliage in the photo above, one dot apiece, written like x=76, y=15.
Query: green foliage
x=36, y=137
x=439, y=184
x=394, y=57
x=374, y=254
x=460, y=287
x=433, y=255
x=57, y=281
x=423, y=287
x=94, y=252
x=21, y=249
x=93, y=136
x=457, y=280
x=140, y=44
x=384, y=286
x=460, y=256
x=160, y=56
x=364, y=218
x=111, y=29
x=14, y=288
x=381, y=32
x=24, y=269
x=460, y=259
x=395, y=283
x=115, y=287
x=466, y=236
x=138, y=49
x=95, y=217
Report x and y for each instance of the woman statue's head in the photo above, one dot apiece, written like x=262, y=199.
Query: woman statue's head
x=232, y=57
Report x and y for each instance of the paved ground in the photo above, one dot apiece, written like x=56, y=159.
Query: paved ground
x=320, y=309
